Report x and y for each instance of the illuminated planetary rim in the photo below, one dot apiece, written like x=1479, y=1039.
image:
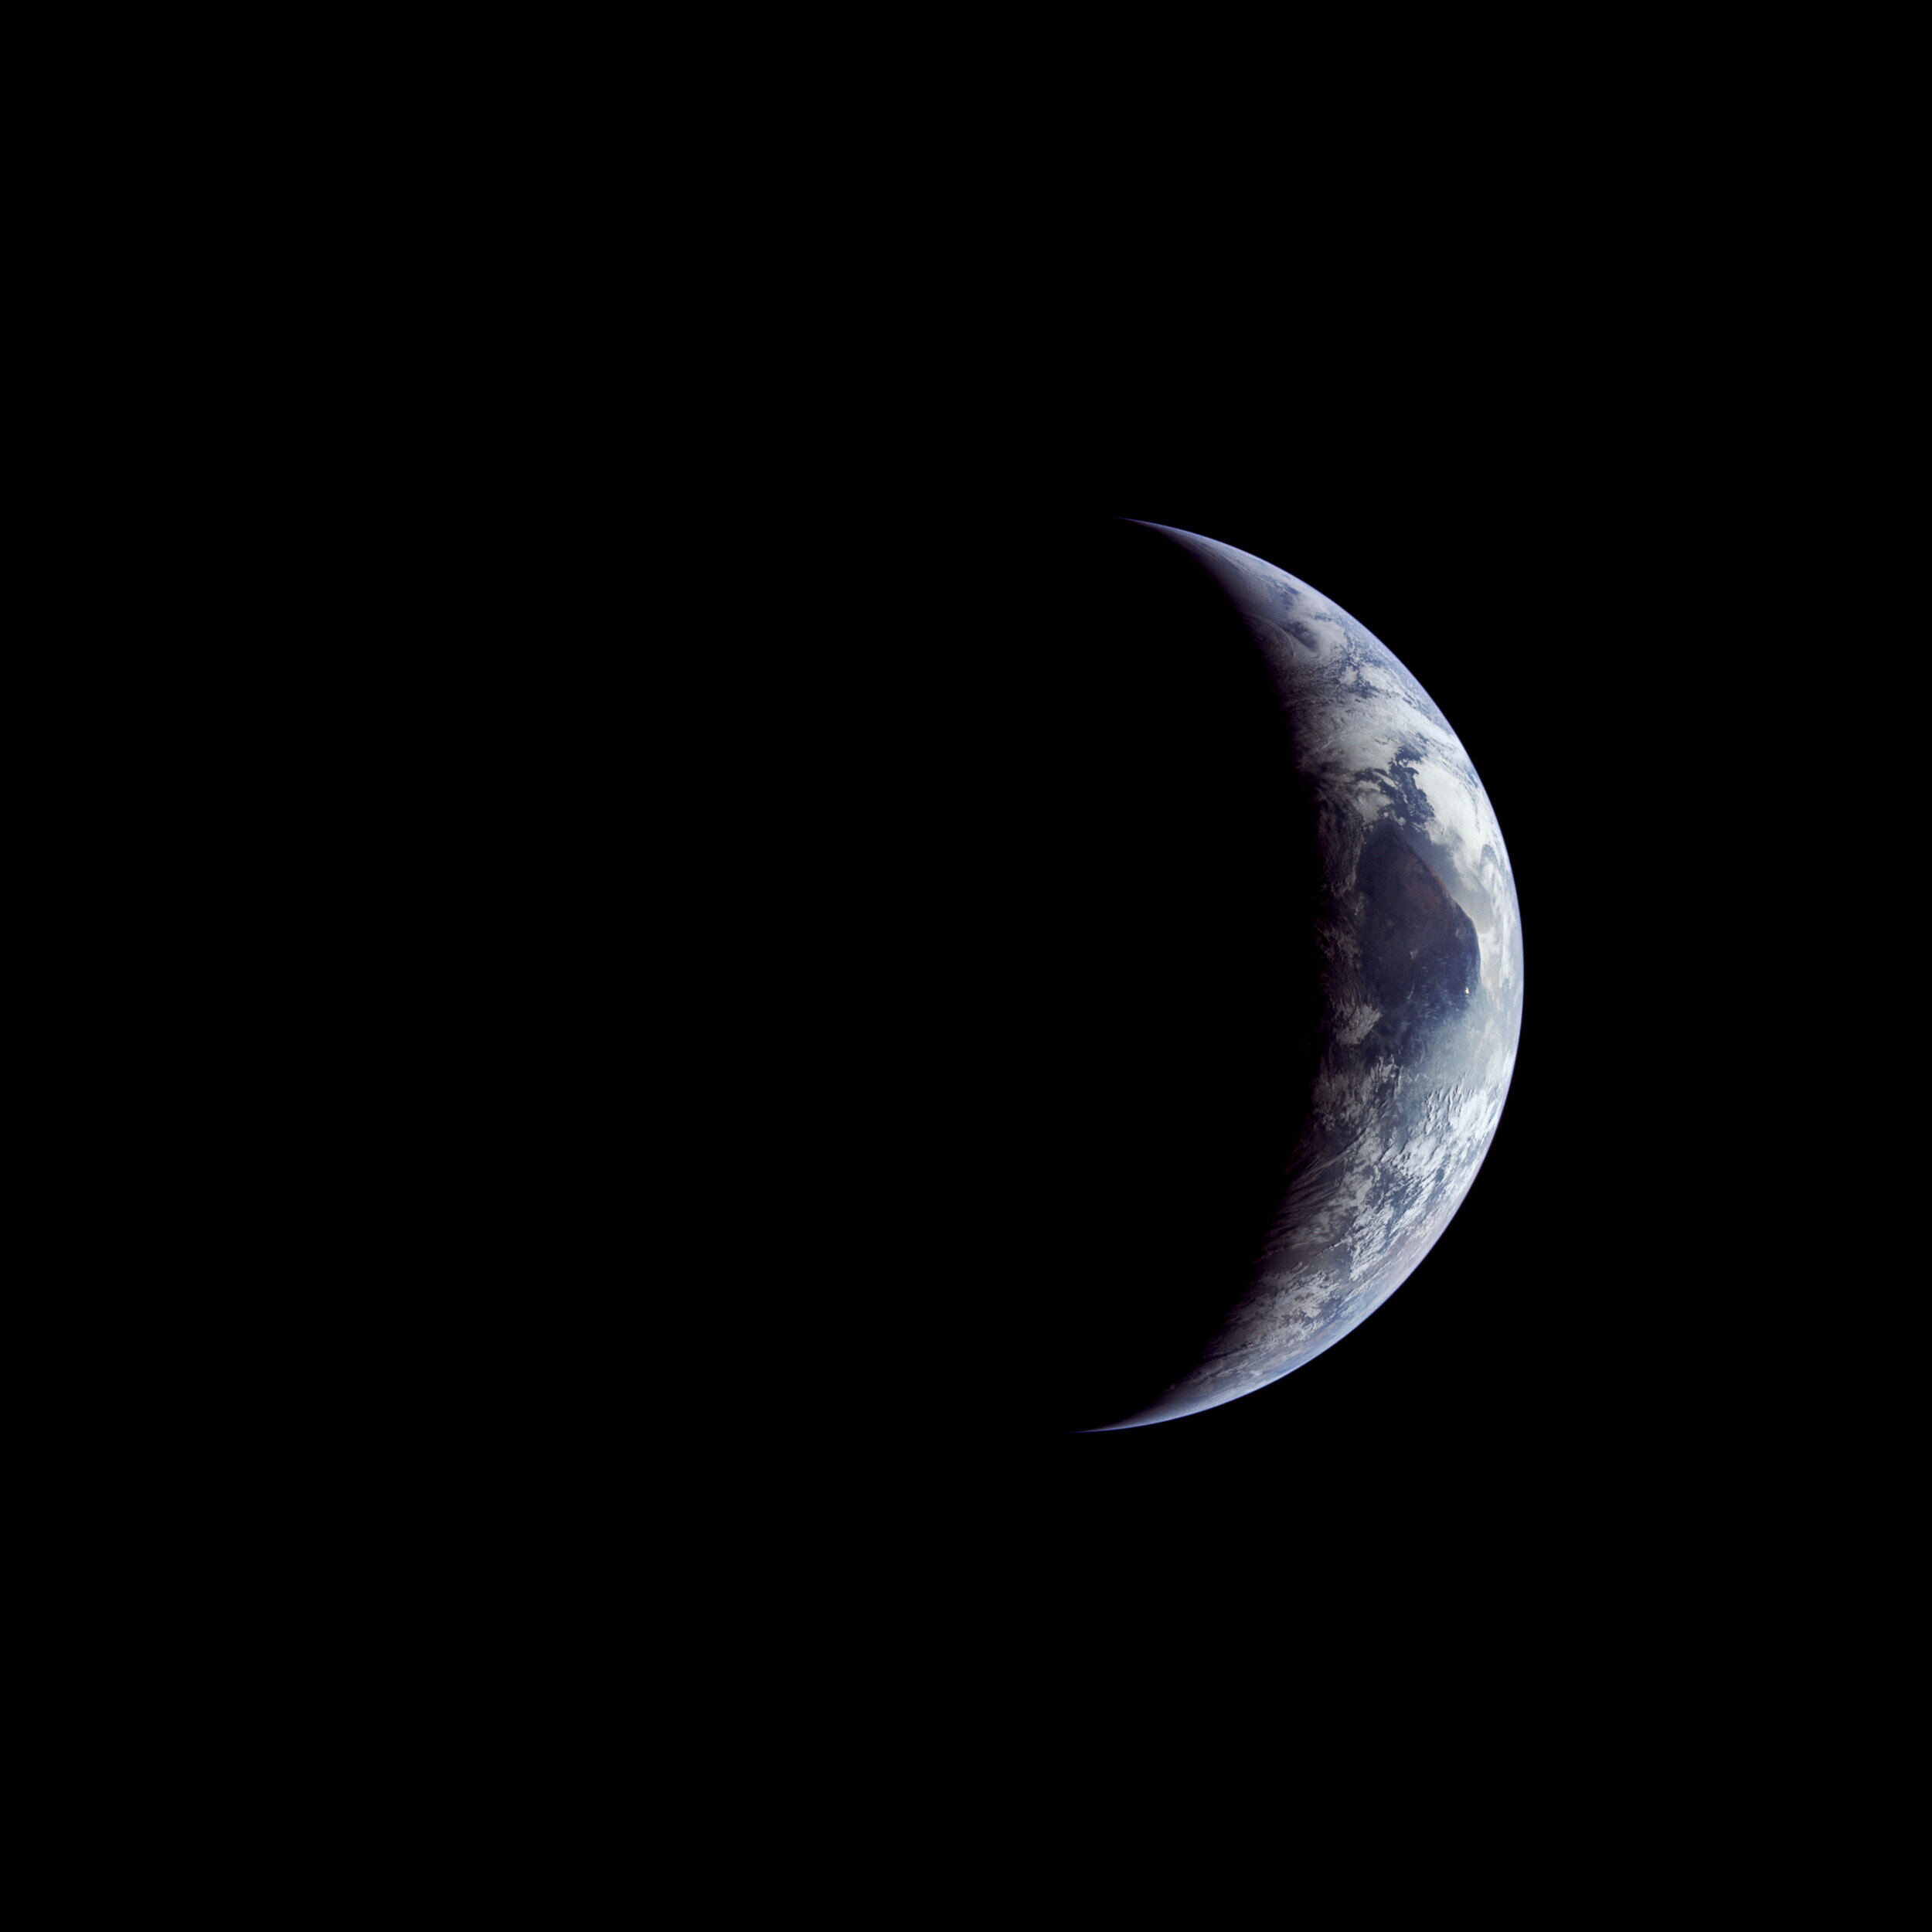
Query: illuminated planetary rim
x=1422, y=940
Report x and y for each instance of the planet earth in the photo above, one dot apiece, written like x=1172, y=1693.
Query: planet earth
x=1413, y=910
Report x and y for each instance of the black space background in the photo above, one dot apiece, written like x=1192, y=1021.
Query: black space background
x=1609, y=532
x=1616, y=530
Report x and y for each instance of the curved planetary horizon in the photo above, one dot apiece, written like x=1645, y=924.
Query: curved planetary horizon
x=1420, y=934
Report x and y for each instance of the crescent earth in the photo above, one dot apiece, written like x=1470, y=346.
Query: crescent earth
x=1421, y=939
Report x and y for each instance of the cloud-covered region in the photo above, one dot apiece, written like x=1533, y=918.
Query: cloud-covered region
x=1421, y=935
